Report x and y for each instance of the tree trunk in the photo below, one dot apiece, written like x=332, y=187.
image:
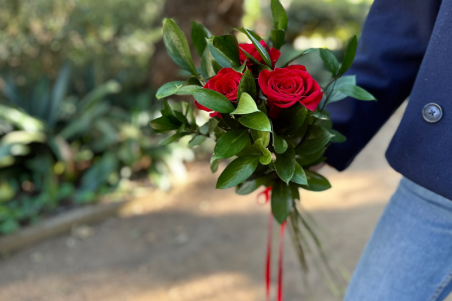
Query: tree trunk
x=219, y=16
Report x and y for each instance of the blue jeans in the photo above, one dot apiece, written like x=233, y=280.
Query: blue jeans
x=409, y=256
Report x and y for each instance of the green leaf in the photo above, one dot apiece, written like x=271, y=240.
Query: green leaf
x=187, y=90
x=164, y=124
x=207, y=64
x=335, y=95
x=320, y=115
x=265, y=136
x=199, y=34
x=315, y=140
x=237, y=172
x=329, y=60
x=246, y=105
x=308, y=159
x=209, y=126
x=177, y=46
x=58, y=93
x=169, y=89
x=266, y=156
x=349, y=55
x=281, y=201
x=290, y=120
x=251, y=58
x=213, y=100
x=296, y=56
x=256, y=121
x=231, y=122
x=278, y=36
x=247, y=84
x=285, y=164
x=280, y=19
x=255, y=35
x=241, y=68
x=214, y=164
x=173, y=138
x=260, y=49
x=279, y=144
x=251, y=185
x=316, y=182
x=197, y=140
x=225, y=50
x=299, y=175
x=231, y=143
x=356, y=92
x=338, y=137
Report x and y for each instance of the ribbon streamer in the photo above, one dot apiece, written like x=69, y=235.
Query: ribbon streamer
x=266, y=193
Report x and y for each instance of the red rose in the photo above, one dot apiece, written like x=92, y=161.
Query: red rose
x=272, y=52
x=225, y=82
x=286, y=86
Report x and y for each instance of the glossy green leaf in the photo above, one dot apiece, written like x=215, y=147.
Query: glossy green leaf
x=266, y=156
x=281, y=201
x=207, y=64
x=255, y=35
x=290, y=120
x=349, y=55
x=338, y=137
x=295, y=56
x=356, y=92
x=164, y=124
x=334, y=94
x=173, y=138
x=317, y=137
x=214, y=162
x=265, y=136
x=278, y=37
x=330, y=61
x=225, y=50
x=187, y=90
x=299, y=175
x=285, y=164
x=256, y=121
x=199, y=34
x=320, y=115
x=246, y=105
x=262, y=51
x=231, y=143
x=237, y=172
x=197, y=140
x=251, y=185
x=251, y=58
x=177, y=46
x=213, y=100
x=316, y=182
x=309, y=159
x=279, y=144
x=280, y=19
x=169, y=89
x=240, y=68
x=247, y=84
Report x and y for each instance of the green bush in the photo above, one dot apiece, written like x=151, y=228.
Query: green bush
x=59, y=151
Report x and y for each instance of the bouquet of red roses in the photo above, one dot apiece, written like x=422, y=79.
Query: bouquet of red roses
x=271, y=120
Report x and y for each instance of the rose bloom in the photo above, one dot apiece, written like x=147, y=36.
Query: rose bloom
x=286, y=86
x=272, y=52
x=225, y=82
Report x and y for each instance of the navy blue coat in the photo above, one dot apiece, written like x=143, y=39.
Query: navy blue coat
x=405, y=50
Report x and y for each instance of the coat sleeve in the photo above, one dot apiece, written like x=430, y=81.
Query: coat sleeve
x=394, y=39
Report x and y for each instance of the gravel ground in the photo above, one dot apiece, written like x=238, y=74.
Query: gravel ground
x=196, y=243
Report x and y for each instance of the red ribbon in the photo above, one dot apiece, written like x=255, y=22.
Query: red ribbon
x=266, y=193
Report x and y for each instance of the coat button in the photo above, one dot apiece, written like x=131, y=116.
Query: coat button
x=432, y=113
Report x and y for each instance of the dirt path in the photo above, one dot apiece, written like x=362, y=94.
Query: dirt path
x=198, y=244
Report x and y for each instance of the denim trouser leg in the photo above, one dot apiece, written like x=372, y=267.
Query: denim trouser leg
x=409, y=256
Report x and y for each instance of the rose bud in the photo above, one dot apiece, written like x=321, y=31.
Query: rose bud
x=272, y=52
x=286, y=86
x=225, y=82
